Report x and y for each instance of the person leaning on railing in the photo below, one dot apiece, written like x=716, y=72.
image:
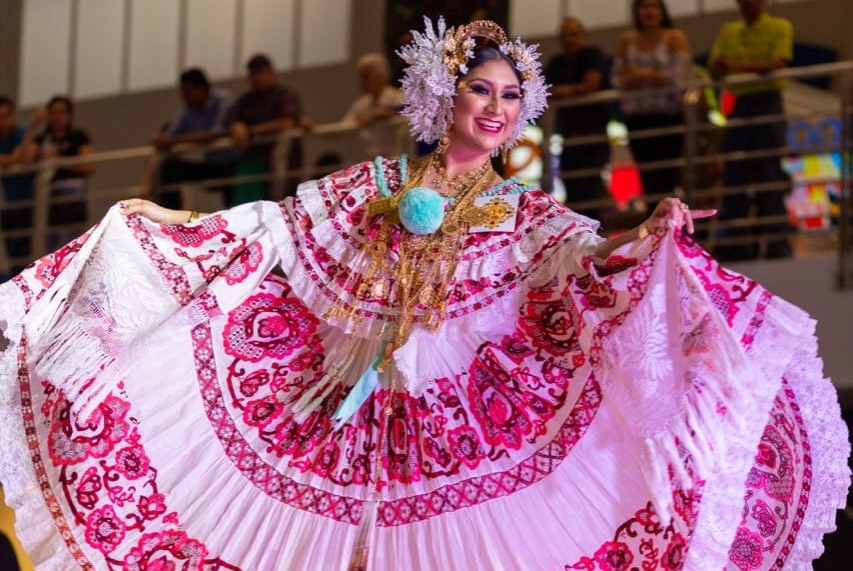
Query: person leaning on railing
x=201, y=120
x=378, y=103
x=578, y=70
x=758, y=43
x=655, y=54
x=15, y=187
x=266, y=109
x=60, y=138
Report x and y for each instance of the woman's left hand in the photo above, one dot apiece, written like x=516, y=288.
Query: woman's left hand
x=672, y=208
x=153, y=211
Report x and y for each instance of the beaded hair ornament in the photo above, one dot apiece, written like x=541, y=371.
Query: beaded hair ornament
x=439, y=56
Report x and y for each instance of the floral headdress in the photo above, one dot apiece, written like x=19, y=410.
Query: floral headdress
x=437, y=58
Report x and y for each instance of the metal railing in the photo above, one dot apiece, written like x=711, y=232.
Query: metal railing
x=712, y=232
x=341, y=139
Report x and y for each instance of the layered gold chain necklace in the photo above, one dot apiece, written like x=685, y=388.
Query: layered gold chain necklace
x=458, y=182
x=423, y=272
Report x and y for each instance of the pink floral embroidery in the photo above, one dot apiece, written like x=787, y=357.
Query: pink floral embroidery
x=466, y=446
x=166, y=551
x=89, y=488
x=70, y=444
x=773, y=470
x=243, y=264
x=746, y=550
x=151, y=507
x=132, y=462
x=499, y=404
x=550, y=324
x=49, y=266
x=614, y=556
x=268, y=326
x=104, y=529
x=764, y=518
x=193, y=236
x=675, y=554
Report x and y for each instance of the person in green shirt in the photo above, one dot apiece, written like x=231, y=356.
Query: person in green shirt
x=758, y=43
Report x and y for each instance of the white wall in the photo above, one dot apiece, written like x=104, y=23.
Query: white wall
x=101, y=48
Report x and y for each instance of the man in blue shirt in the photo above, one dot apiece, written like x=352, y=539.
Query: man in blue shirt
x=200, y=121
x=16, y=187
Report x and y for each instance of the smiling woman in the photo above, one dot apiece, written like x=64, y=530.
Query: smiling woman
x=446, y=370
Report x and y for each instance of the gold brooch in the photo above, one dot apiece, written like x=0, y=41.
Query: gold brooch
x=491, y=215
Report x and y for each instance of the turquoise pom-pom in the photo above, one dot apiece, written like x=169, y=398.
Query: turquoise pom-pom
x=421, y=210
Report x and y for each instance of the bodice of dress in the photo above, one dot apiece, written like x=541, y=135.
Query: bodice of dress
x=328, y=225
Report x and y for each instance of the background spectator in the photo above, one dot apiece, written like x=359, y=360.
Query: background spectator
x=758, y=43
x=201, y=120
x=580, y=69
x=654, y=54
x=15, y=187
x=265, y=109
x=378, y=103
x=60, y=139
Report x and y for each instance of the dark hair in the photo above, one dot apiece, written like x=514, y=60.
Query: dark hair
x=259, y=61
x=62, y=99
x=487, y=53
x=666, y=21
x=196, y=77
x=7, y=102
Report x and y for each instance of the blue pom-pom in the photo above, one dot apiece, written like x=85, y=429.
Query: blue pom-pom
x=421, y=210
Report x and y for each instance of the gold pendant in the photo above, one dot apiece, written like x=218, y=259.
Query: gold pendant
x=491, y=215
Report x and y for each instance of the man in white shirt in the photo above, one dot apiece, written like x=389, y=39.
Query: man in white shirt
x=377, y=106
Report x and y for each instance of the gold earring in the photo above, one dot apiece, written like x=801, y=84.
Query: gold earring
x=443, y=143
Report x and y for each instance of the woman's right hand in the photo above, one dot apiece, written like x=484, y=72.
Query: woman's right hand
x=153, y=212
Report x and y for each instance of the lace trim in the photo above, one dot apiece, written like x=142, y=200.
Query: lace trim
x=786, y=330
x=829, y=443
x=88, y=315
x=34, y=522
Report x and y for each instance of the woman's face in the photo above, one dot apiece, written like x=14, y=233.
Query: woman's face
x=649, y=14
x=58, y=116
x=488, y=101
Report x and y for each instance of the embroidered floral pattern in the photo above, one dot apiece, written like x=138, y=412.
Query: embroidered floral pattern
x=269, y=326
x=777, y=491
x=194, y=235
x=70, y=444
x=502, y=423
x=244, y=264
x=166, y=551
x=642, y=542
x=104, y=530
x=49, y=266
x=103, y=470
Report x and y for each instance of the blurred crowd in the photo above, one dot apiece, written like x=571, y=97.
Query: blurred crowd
x=650, y=67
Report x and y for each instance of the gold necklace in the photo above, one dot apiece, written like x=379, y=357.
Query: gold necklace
x=425, y=265
x=441, y=180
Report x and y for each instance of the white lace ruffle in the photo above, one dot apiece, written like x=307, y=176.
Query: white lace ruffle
x=33, y=522
x=782, y=333
x=830, y=448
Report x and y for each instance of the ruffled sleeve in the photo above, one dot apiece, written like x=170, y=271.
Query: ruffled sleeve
x=95, y=300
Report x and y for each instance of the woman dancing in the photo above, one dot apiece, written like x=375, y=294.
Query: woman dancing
x=412, y=365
